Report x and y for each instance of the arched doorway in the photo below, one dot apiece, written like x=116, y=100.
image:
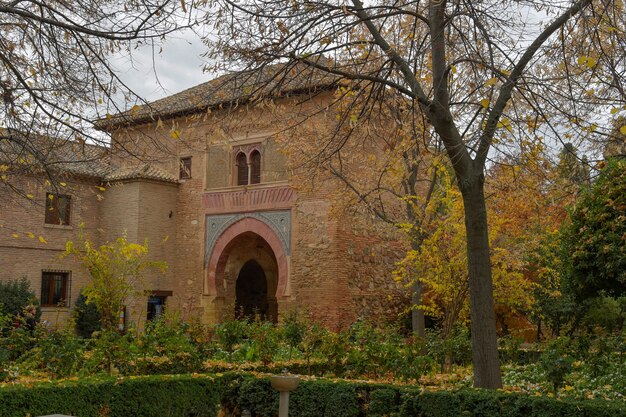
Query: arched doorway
x=251, y=292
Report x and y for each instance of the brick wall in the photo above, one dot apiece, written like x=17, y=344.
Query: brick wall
x=24, y=256
x=340, y=263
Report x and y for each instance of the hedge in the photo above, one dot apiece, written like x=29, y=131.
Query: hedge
x=141, y=397
x=324, y=398
x=203, y=395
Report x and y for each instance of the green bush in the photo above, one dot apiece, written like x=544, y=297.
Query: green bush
x=16, y=297
x=59, y=353
x=183, y=396
x=556, y=362
x=202, y=395
x=324, y=398
x=86, y=317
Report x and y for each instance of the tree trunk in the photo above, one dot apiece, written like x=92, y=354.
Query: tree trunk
x=483, y=321
x=418, y=325
x=417, y=314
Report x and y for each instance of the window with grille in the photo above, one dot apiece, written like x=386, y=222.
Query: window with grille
x=57, y=209
x=185, y=168
x=54, y=287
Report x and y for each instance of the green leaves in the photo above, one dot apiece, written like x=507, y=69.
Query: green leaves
x=596, y=237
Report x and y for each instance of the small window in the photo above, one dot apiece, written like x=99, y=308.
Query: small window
x=242, y=169
x=57, y=209
x=156, y=304
x=54, y=287
x=255, y=167
x=185, y=168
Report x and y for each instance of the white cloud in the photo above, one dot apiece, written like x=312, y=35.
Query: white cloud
x=165, y=69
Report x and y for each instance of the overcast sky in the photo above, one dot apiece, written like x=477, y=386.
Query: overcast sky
x=177, y=67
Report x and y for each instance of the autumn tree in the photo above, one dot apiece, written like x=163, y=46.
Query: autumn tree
x=482, y=74
x=116, y=270
x=57, y=76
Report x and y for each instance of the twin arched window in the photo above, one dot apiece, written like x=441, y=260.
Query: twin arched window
x=248, y=167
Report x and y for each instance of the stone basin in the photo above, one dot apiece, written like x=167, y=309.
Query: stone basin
x=284, y=383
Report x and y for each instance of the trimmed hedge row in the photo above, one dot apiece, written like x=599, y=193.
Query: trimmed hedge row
x=139, y=397
x=324, y=398
x=203, y=395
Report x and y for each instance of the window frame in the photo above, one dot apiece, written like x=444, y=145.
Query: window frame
x=52, y=215
x=251, y=172
x=49, y=277
x=184, y=172
x=242, y=170
x=254, y=175
x=163, y=297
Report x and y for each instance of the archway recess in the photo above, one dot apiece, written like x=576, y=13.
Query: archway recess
x=228, y=241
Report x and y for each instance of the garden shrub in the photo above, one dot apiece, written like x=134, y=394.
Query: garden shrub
x=15, y=297
x=201, y=395
x=557, y=362
x=59, y=353
x=86, y=317
x=183, y=396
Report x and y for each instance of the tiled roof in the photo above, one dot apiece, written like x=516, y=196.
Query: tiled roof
x=270, y=81
x=35, y=152
x=142, y=171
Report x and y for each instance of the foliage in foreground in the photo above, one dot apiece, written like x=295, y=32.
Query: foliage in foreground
x=576, y=368
x=17, y=300
x=229, y=394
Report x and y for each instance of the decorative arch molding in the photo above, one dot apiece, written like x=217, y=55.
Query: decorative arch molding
x=219, y=245
x=279, y=221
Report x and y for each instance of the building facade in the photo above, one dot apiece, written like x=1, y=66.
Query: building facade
x=205, y=177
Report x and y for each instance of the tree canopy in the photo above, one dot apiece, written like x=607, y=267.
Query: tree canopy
x=486, y=76
x=57, y=76
x=595, y=239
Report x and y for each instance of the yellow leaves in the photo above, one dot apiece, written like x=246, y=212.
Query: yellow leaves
x=505, y=123
x=4, y=168
x=50, y=197
x=62, y=184
x=623, y=130
x=490, y=82
x=100, y=188
x=614, y=110
x=134, y=109
x=108, y=116
x=15, y=235
x=586, y=61
x=485, y=102
x=30, y=235
x=30, y=196
x=4, y=177
x=453, y=69
x=175, y=134
x=42, y=240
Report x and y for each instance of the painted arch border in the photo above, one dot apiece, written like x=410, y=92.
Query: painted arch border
x=216, y=262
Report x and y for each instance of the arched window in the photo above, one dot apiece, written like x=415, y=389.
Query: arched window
x=255, y=167
x=242, y=169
